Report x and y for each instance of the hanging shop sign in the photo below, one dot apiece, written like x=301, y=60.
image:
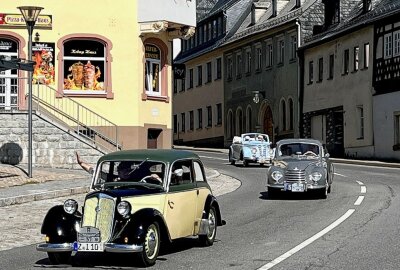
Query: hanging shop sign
x=43, y=56
x=17, y=21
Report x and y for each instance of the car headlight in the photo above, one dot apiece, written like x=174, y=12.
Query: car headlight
x=276, y=175
x=315, y=176
x=254, y=150
x=124, y=208
x=70, y=206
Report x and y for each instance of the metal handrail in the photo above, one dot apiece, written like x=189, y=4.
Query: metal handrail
x=76, y=116
x=70, y=113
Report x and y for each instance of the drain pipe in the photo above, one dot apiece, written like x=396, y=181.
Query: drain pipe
x=299, y=81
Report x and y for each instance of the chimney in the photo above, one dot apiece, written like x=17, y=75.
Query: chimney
x=332, y=12
x=274, y=8
x=298, y=3
x=367, y=5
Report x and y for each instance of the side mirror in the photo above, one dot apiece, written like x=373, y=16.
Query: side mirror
x=178, y=172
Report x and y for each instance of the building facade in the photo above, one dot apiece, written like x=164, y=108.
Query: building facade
x=113, y=59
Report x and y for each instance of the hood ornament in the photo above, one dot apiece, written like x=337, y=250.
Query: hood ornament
x=296, y=169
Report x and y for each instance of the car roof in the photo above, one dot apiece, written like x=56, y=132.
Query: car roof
x=285, y=141
x=164, y=155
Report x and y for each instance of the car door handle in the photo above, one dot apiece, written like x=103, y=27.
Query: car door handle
x=171, y=204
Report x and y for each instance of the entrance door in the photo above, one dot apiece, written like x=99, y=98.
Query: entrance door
x=8, y=78
x=318, y=128
x=268, y=126
x=152, y=137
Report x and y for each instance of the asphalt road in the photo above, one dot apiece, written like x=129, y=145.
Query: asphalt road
x=356, y=227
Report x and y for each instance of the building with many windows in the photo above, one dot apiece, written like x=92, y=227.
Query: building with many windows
x=98, y=66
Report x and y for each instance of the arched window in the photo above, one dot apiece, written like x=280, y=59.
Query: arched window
x=239, y=117
x=283, y=114
x=291, y=114
x=152, y=70
x=9, y=89
x=230, y=127
x=85, y=66
x=249, y=120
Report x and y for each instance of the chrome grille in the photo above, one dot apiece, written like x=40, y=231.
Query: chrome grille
x=262, y=150
x=295, y=176
x=103, y=217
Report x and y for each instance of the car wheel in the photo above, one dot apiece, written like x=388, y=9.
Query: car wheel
x=231, y=160
x=208, y=239
x=59, y=257
x=245, y=163
x=151, y=245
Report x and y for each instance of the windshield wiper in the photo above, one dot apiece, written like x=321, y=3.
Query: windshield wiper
x=134, y=169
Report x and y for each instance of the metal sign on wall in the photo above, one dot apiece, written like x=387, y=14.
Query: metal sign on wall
x=179, y=71
x=17, y=21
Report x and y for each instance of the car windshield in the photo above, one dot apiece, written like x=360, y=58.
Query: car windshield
x=130, y=173
x=255, y=137
x=301, y=149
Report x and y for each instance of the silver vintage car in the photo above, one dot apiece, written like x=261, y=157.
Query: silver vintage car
x=250, y=148
x=300, y=165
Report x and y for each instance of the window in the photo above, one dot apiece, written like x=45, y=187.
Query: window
x=283, y=115
x=346, y=57
x=175, y=124
x=269, y=55
x=201, y=34
x=219, y=114
x=248, y=61
x=191, y=120
x=320, y=69
x=218, y=68
x=331, y=66
x=190, y=78
x=293, y=47
x=310, y=72
x=175, y=86
x=209, y=116
x=200, y=118
x=291, y=114
x=281, y=55
x=152, y=70
x=183, y=85
x=396, y=117
x=199, y=75
x=85, y=67
x=214, y=28
x=219, y=26
x=396, y=43
x=238, y=64
x=258, y=57
x=366, y=55
x=209, y=72
x=198, y=172
x=205, y=33
x=229, y=68
x=356, y=58
x=209, y=31
x=183, y=120
x=360, y=115
x=388, y=46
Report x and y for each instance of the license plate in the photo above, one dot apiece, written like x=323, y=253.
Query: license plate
x=297, y=187
x=88, y=246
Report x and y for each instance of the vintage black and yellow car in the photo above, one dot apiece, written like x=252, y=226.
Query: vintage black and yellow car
x=137, y=199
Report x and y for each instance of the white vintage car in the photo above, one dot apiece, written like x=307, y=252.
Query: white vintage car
x=250, y=148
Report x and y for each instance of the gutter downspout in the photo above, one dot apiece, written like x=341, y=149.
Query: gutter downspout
x=300, y=79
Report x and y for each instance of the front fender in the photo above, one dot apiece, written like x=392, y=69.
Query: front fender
x=212, y=201
x=135, y=228
x=60, y=226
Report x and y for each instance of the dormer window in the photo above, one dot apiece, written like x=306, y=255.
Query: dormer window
x=332, y=12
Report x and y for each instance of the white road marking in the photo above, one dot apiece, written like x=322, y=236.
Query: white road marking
x=213, y=158
x=363, y=189
x=308, y=241
x=360, y=183
x=359, y=200
x=340, y=174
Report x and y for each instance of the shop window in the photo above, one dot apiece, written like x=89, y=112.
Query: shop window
x=152, y=70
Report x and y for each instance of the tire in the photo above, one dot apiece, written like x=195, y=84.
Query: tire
x=151, y=245
x=231, y=160
x=208, y=239
x=59, y=257
x=245, y=163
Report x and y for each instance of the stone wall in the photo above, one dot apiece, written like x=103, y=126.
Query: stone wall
x=53, y=145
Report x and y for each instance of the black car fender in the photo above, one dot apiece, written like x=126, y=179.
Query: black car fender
x=60, y=226
x=212, y=201
x=135, y=228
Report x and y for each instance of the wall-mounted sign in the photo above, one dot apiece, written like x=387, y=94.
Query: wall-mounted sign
x=43, y=56
x=8, y=46
x=179, y=71
x=17, y=20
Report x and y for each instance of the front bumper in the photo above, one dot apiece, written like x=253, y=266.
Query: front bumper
x=258, y=160
x=108, y=247
x=308, y=187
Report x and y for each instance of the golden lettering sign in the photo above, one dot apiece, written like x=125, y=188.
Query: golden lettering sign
x=18, y=20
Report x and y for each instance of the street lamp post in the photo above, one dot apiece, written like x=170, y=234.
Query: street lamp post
x=30, y=15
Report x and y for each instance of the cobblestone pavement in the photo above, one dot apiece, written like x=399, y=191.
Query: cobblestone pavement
x=20, y=224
